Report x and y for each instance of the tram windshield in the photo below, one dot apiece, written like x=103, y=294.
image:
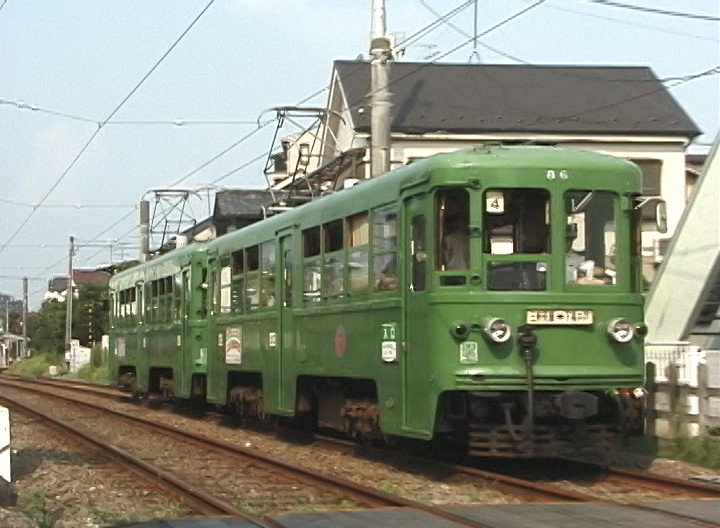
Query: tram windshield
x=590, y=237
x=517, y=223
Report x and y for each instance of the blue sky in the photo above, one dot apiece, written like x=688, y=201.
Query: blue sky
x=82, y=57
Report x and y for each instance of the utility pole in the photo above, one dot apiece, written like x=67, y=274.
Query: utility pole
x=69, y=296
x=381, y=55
x=144, y=227
x=24, y=317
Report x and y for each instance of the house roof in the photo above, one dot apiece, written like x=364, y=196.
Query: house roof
x=492, y=98
x=81, y=277
x=241, y=203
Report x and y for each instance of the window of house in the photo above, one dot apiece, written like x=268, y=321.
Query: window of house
x=385, y=248
x=651, y=170
x=312, y=269
x=304, y=150
x=651, y=186
x=358, y=240
x=334, y=258
x=252, y=277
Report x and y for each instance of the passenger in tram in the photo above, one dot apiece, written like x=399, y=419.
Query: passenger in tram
x=456, y=244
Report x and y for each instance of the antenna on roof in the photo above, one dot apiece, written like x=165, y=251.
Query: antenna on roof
x=475, y=53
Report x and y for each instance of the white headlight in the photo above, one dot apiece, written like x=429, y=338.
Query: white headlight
x=498, y=330
x=621, y=330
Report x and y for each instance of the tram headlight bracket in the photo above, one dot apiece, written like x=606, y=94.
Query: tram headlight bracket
x=460, y=330
x=621, y=330
x=498, y=330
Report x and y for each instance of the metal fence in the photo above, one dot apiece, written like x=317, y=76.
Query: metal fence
x=683, y=384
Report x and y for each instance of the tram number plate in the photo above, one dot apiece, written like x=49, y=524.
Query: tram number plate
x=559, y=317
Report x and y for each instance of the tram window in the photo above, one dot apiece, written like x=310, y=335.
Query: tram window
x=358, y=231
x=358, y=238
x=238, y=281
x=169, y=298
x=385, y=229
x=287, y=274
x=267, y=294
x=333, y=232
x=148, y=302
x=334, y=275
x=155, y=301
x=312, y=268
x=590, y=237
x=252, y=278
x=385, y=249
x=517, y=276
x=312, y=277
x=311, y=242
x=160, y=289
x=238, y=262
x=418, y=253
x=334, y=260
x=177, y=296
x=517, y=221
x=453, y=220
x=226, y=284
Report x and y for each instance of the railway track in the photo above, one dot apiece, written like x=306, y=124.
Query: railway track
x=347, y=490
x=525, y=489
x=198, y=500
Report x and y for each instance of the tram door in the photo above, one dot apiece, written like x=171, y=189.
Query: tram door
x=281, y=342
x=416, y=367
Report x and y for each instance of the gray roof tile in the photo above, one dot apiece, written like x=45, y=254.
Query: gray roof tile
x=490, y=98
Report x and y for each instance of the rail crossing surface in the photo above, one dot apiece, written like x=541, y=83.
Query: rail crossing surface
x=558, y=515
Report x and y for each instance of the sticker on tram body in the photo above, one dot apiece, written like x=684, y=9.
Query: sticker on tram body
x=559, y=317
x=233, y=345
x=388, y=350
x=469, y=352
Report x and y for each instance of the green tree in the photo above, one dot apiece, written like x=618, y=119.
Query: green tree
x=90, y=314
x=46, y=328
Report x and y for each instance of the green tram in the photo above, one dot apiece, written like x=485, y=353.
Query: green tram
x=489, y=296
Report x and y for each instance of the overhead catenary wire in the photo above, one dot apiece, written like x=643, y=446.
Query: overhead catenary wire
x=19, y=203
x=680, y=81
x=631, y=23
x=99, y=128
x=656, y=11
x=672, y=78
x=21, y=105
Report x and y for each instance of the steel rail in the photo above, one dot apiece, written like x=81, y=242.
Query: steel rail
x=347, y=489
x=527, y=489
x=532, y=490
x=200, y=501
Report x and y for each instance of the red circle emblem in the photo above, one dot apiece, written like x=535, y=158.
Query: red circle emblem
x=340, y=341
